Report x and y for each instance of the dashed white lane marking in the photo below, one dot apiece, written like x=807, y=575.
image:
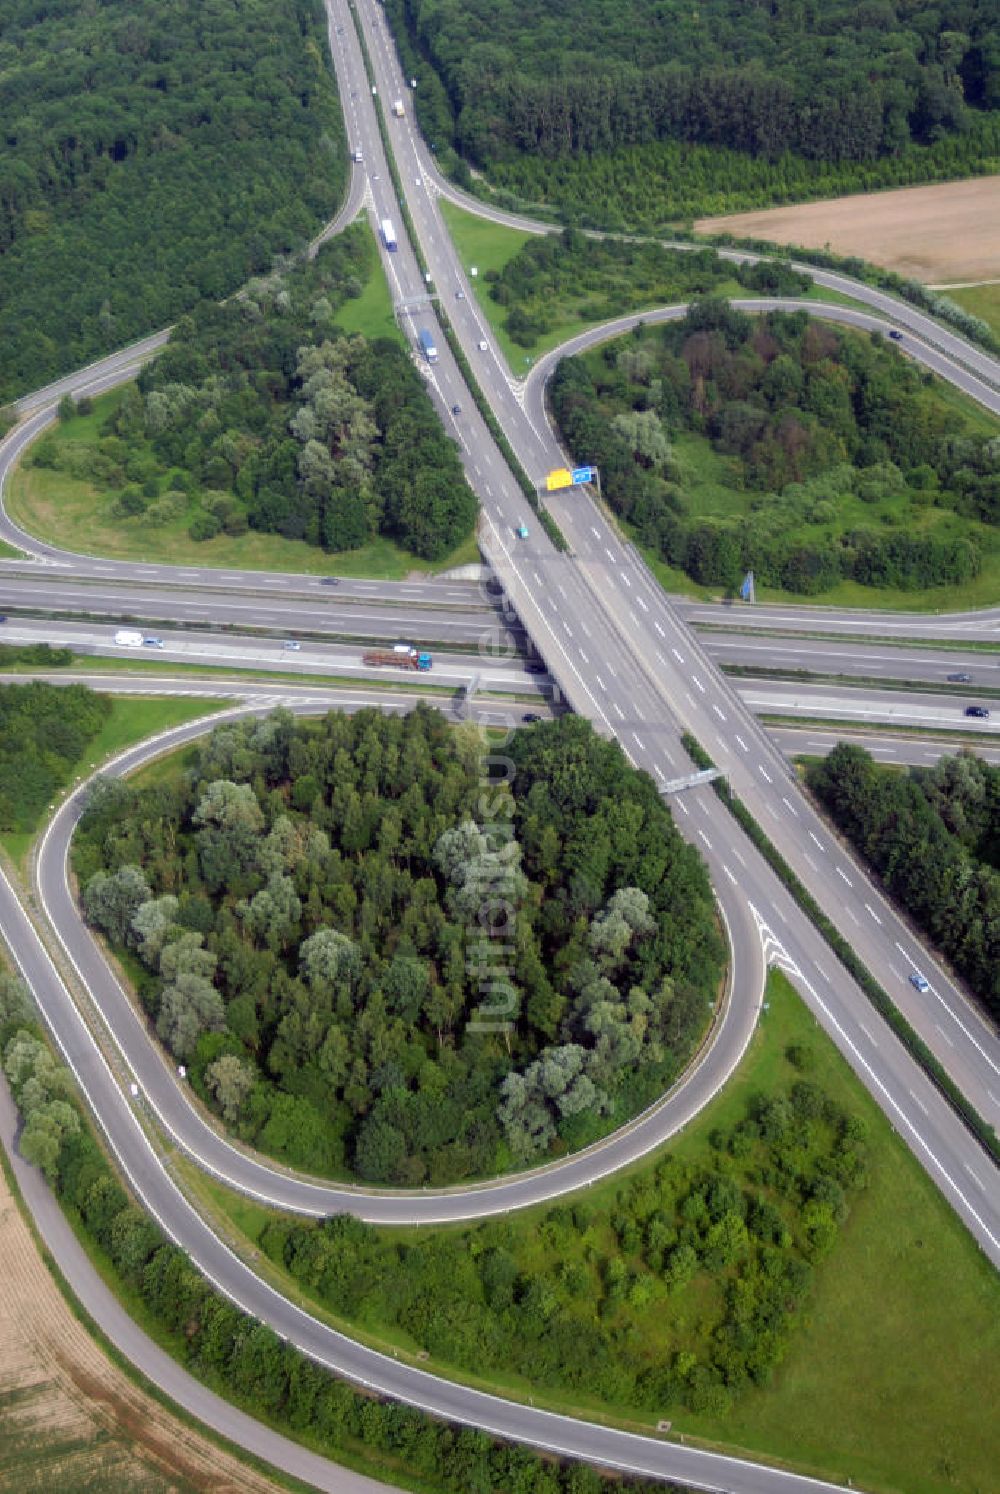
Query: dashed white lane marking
x=641, y=603
x=919, y=1103
x=625, y=579
x=975, y=1177
x=583, y=656
x=705, y=839
x=729, y=875
x=871, y=910
x=815, y=839
x=698, y=682
x=944, y=1035
x=764, y=773
x=739, y=858
x=743, y=745
x=790, y=806
x=844, y=877
x=868, y=1035
x=609, y=553
x=637, y=742
x=677, y=655
x=810, y=861
x=600, y=683
x=721, y=714
x=659, y=630
x=681, y=806
x=618, y=709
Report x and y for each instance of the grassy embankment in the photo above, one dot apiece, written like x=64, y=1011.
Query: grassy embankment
x=980, y=300
x=707, y=484
x=491, y=246
x=886, y=1377
x=131, y=720
x=74, y=514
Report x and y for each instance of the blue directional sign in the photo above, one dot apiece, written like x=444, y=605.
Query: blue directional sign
x=582, y=474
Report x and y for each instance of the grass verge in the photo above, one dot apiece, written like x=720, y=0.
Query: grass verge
x=860, y=1393
x=75, y=515
x=981, y=591
x=130, y=721
x=979, y=300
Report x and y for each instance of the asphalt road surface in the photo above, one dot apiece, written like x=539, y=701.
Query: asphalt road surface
x=105, y=1309
x=854, y=660
x=121, y=1117
x=623, y=656
x=310, y=656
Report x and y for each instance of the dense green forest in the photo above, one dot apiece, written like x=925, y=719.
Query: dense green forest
x=44, y=731
x=570, y=276
x=718, y=1258
x=151, y=153
x=367, y=957
x=261, y=414
x=668, y=182
x=793, y=82
x=933, y=836
x=233, y=1353
x=781, y=443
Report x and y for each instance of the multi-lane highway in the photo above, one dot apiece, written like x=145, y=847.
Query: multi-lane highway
x=623, y=656
x=851, y=659
x=318, y=657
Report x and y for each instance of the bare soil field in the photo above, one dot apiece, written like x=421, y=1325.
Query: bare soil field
x=69, y=1419
x=946, y=232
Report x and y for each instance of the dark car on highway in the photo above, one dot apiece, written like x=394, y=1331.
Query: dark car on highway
x=529, y=717
x=959, y=679
x=529, y=668
x=978, y=711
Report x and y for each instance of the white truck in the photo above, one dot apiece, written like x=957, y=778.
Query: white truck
x=398, y=108
x=128, y=638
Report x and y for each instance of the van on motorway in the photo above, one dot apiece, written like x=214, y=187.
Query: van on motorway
x=128, y=638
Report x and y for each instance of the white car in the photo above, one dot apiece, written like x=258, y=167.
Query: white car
x=291, y=647
x=133, y=1090
x=484, y=346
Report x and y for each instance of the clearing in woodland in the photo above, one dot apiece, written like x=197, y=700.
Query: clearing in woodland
x=946, y=232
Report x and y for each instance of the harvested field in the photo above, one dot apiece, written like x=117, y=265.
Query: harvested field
x=69, y=1419
x=946, y=232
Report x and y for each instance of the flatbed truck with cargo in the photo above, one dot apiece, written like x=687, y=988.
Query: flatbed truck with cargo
x=395, y=658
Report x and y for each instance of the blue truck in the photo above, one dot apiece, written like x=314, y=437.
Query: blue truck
x=427, y=343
